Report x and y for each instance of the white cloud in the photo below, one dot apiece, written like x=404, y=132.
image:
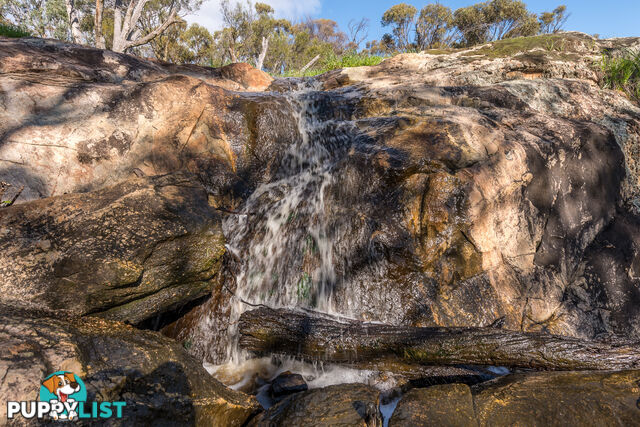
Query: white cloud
x=209, y=14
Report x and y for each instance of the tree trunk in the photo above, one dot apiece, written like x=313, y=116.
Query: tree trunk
x=314, y=336
x=125, y=33
x=263, y=53
x=309, y=64
x=117, y=26
x=232, y=55
x=97, y=25
x=74, y=21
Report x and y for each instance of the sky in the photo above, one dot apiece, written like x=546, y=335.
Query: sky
x=613, y=18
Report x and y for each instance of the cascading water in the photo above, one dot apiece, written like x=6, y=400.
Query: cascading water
x=281, y=240
x=302, y=240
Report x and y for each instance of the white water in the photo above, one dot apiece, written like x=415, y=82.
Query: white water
x=280, y=240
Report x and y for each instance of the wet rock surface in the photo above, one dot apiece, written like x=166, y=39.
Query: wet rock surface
x=537, y=399
x=154, y=375
x=461, y=193
x=338, y=405
x=462, y=202
x=440, y=405
x=287, y=383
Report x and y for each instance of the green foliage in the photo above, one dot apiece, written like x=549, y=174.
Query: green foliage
x=304, y=286
x=495, y=20
x=401, y=18
x=471, y=24
x=40, y=18
x=13, y=32
x=334, y=62
x=438, y=27
x=552, y=22
x=622, y=73
x=434, y=28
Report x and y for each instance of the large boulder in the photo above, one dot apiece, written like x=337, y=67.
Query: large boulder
x=439, y=405
x=537, y=399
x=75, y=119
x=479, y=190
x=129, y=252
x=466, y=188
x=160, y=383
x=567, y=398
x=337, y=405
x=44, y=59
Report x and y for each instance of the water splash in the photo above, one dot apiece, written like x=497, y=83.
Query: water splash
x=282, y=240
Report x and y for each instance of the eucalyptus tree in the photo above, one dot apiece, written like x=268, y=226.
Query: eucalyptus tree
x=553, y=22
x=435, y=27
x=401, y=18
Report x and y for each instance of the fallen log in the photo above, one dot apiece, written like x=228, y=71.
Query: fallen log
x=314, y=336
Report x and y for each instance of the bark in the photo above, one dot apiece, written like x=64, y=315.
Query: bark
x=310, y=63
x=263, y=53
x=232, y=55
x=97, y=25
x=313, y=336
x=125, y=34
x=74, y=21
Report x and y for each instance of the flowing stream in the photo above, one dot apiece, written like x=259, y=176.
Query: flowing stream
x=282, y=240
x=288, y=249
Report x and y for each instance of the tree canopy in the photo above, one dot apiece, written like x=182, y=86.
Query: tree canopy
x=253, y=33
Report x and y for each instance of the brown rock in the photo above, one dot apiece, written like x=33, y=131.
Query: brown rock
x=76, y=119
x=246, y=75
x=44, y=59
x=554, y=399
x=128, y=252
x=158, y=380
x=338, y=405
x=464, y=192
x=440, y=405
x=287, y=383
x=536, y=399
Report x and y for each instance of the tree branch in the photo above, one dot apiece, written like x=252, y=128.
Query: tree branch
x=310, y=63
x=315, y=336
x=137, y=11
x=155, y=33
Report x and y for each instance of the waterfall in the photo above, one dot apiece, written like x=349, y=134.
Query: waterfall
x=282, y=240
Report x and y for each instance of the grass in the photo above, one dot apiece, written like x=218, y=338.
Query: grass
x=558, y=43
x=622, y=72
x=335, y=62
x=11, y=31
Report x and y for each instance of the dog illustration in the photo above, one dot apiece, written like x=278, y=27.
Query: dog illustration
x=62, y=386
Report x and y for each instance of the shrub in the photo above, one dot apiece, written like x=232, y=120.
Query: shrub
x=11, y=31
x=622, y=72
x=334, y=62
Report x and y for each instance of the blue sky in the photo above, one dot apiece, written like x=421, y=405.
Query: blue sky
x=614, y=18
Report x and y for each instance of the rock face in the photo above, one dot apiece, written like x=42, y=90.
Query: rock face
x=440, y=405
x=76, y=119
x=159, y=381
x=338, y=405
x=123, y=163
x=541, y=399
x=467, y=188
x=497, y=185
x=128, y=252
x=480, y=192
